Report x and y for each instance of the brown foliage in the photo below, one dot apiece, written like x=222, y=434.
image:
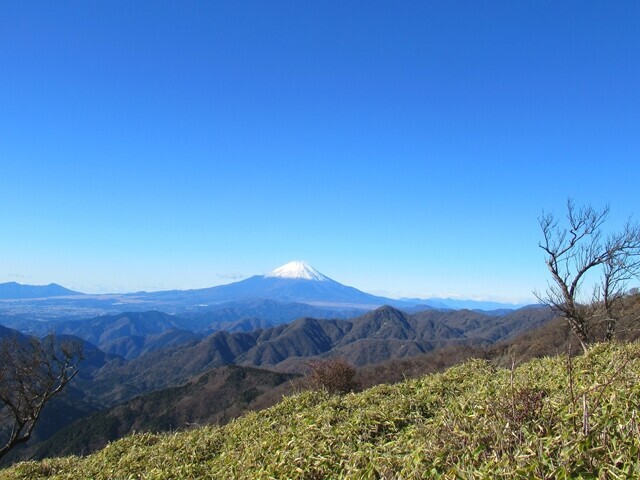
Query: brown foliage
x=335, y=376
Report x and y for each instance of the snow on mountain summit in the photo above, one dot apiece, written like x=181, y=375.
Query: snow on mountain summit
x=300, y=270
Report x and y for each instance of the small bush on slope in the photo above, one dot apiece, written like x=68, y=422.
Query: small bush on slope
x=546, y=419
x=335, y=376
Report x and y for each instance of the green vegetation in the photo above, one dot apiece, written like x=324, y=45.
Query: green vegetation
x=549, y=418
x=212, y=398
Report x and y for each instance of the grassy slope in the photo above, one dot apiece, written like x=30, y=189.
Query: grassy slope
x=212, y=398
x=472, y=421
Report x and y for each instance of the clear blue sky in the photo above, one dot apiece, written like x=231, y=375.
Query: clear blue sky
x=405, y=148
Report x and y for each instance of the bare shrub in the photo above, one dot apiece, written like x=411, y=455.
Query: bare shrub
x=335, y=376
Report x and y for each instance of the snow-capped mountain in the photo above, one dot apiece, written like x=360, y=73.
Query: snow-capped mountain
x=299, y=270
x=293, y=282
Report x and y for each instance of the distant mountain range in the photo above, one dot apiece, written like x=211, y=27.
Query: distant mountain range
x=295, y=282
x=143, y=351
x=14, y=290
x=130, y=334
x=374, y=337
x=458, y=304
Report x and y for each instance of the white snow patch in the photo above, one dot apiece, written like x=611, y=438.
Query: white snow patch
x=298, y=269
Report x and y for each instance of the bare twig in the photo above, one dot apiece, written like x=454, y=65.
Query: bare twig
x=31, y=373
x=577, y=250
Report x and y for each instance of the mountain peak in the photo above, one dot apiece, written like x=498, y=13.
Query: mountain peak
x=300, y=270
x=13, y=290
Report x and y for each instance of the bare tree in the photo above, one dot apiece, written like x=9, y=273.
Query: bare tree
x=578, y=253
x=32, y=371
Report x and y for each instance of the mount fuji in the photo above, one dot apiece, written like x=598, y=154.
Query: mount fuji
x=292, y=290
x=296, y=281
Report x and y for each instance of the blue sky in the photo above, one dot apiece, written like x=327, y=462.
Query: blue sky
x=405, y=148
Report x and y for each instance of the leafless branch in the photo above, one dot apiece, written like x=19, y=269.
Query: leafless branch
x=32, y=371
x=577, y=248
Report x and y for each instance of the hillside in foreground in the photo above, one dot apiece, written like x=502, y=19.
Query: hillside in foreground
x=548, y=418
